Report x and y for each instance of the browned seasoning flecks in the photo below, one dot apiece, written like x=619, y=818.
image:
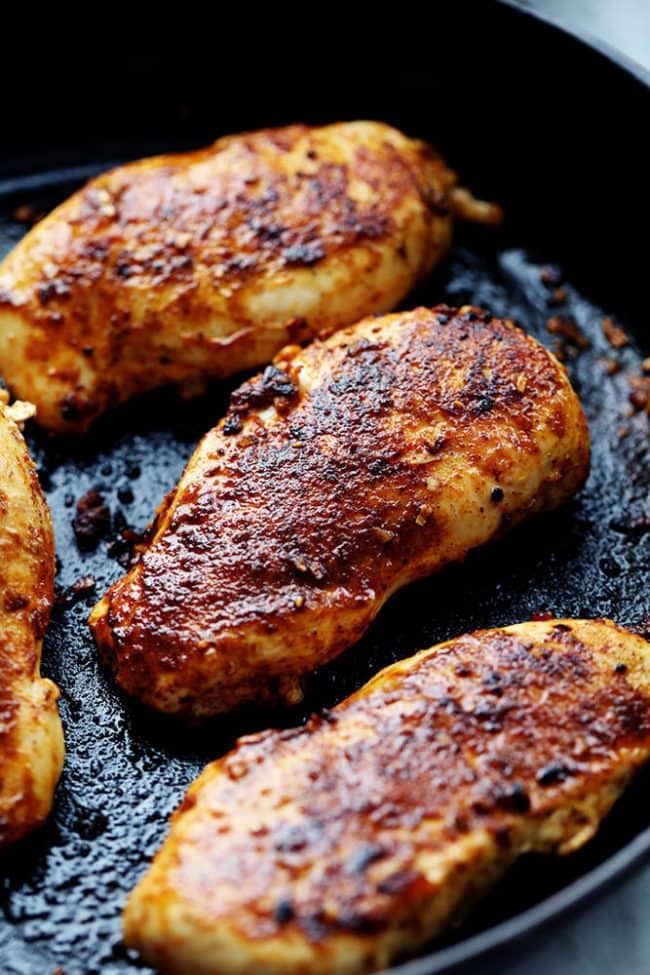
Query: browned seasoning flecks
x=327, y=485
x=467, y=753
x=614, y=334
x=640, y=393
x=204, y=264
x=569, y=330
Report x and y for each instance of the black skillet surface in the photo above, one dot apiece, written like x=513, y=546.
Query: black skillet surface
x=530, y=117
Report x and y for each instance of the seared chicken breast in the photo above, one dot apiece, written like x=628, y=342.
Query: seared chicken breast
x=343, y=472
x=31, y=739
x=350, y=842
x=184, y=267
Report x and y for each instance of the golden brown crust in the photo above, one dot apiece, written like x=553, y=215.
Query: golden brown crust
x=341, y=473
x=31, y=742
x=206, y=263
x=343, y=844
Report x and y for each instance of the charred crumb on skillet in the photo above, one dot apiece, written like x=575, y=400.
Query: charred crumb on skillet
x=274, y=384
x=568, y=329
x=92, y=520
x=615, y=335
x=551, y=275
x=418, y=750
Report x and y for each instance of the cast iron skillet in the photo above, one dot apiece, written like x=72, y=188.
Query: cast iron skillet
x=532, y=117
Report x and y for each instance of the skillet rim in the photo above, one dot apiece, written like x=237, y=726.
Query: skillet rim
x=585, y=39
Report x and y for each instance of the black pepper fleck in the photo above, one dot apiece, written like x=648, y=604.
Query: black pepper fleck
x=284, y=912
x=232, y=425
x=553, y=773
x=515, y=799
x=365, y=854
x=125, y=494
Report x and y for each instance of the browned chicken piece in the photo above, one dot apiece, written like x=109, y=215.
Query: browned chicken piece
x=343, y=472
x=31, y=739
x=344, y=845
x=193, y=266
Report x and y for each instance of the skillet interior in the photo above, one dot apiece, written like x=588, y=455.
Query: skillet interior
x=529, y=117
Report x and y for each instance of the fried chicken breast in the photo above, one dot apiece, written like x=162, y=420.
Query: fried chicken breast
x=343, y=472
x=185, y=267
x=31, y=739
x=343, y=845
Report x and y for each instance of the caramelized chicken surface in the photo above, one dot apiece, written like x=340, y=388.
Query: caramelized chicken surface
x=31, y=739
x=184, y=267
x=343, y=472
x=348, y=843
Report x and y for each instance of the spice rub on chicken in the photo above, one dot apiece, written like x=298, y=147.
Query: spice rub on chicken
x=351, y=842
x=341, y=473
x=199, y=265
x=31, y=739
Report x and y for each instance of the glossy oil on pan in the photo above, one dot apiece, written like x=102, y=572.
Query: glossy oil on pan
x=529, y=116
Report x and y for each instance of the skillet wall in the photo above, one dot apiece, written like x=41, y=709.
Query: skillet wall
x=529, y=116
